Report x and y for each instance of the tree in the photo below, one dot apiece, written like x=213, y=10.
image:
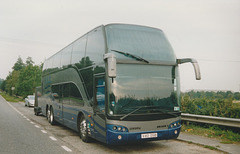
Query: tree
x=12, y=81
x=3, y=84
x=29, y=61
x=18, y=65
x=1, y=81
x=29, y=78
x=24, y=77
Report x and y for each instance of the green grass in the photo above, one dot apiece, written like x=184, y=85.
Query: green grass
x=210, y=147
x=226, y=142
x=11, y=98
x=225, y=135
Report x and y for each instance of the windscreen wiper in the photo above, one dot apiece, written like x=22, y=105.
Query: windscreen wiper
x=131, y=56
x=126, y=115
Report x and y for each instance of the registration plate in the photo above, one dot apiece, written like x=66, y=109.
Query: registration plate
x=149, y=135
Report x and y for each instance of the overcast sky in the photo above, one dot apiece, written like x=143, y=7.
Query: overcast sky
x=207, y=30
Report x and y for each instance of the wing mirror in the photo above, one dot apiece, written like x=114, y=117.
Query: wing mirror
x=55, y=95
x=111, y=63
x=195, y=66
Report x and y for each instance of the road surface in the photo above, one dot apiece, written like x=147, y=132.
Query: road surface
x=23, y=132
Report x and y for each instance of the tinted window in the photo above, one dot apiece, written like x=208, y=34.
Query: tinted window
x=49, y=63
x=100, y=93
x=66, y=56
x=148, y=85
x=78, y=51
x=65, y=93
x=87, y=76
x=56, y=60
x=56, y=92
x=148, y=43
x=95, y=45
x=75, y=96
x=45, y=65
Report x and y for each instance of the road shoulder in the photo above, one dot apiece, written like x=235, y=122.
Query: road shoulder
x=228, y=148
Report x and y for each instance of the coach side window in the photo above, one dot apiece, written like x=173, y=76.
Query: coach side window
x=100, y=93
x=78, y=50
x=55, y=93
x=65, y=93
x=95, y=46
x=75, y=96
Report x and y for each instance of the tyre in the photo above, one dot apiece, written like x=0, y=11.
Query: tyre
x=51, y=117
x=48, y=113
x=36, y=111
x=83, y=130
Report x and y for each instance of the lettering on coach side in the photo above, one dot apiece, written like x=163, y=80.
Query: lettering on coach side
x=162, y=126
x=135, y=128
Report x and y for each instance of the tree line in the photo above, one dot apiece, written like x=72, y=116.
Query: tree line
x=23, y=78
x=219, y=104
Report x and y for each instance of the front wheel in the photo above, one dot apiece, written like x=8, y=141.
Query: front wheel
x=83, y=130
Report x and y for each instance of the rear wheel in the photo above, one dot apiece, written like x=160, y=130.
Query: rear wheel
x=83, y=130
x=48, y=114
x=51, y=117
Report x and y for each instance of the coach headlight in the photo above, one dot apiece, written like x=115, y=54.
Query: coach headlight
x=118, y=128
x=174, y=124
x=114, y=127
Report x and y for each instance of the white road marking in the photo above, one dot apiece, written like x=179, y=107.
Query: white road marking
x=53, y=138
x=13, y=107
x=66, y=148
x=44, y=131
x=21, y=114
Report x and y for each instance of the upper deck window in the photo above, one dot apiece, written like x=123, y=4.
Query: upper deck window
x=148, y=43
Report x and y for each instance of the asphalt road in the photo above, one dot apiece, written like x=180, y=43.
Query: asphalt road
x=23, y=132
x=18, y=134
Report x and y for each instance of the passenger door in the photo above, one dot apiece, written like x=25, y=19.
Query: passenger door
x=99, y=108
x=57, y=102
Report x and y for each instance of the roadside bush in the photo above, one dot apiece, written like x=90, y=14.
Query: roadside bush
x=220, y=106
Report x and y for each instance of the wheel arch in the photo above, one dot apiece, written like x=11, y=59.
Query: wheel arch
x=80, y=114
x=46, y=109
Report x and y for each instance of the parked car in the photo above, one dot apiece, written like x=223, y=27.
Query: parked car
x=30, y=100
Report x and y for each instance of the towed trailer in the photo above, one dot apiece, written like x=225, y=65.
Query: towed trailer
x=38, y=93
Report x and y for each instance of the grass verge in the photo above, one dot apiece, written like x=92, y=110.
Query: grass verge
x=210, y=147
x=10, y=98
x=222, y=133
